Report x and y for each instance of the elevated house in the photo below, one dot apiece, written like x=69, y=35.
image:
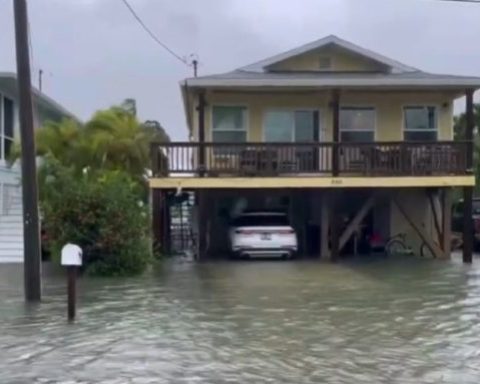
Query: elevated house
x=11, y=221
x=335, y=134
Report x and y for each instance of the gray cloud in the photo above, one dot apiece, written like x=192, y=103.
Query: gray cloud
x=94, y=54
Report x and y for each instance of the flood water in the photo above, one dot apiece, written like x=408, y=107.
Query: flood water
x=377, y=321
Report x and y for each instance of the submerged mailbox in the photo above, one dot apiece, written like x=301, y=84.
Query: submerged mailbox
x=71, y=255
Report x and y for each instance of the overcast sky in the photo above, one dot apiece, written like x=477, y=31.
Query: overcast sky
x=94, y=54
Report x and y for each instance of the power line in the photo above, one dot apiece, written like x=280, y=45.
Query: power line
x=152, y=35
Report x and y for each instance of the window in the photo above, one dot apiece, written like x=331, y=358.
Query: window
x=420, y=123
x=357, y=124
x=229, y=124
x=291, y=126
x=7, y=122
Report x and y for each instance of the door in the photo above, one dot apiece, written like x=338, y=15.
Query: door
x=294, y=126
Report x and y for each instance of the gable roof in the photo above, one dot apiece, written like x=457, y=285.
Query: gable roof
x=262, y=65
x=400, y=76
x=39, y=96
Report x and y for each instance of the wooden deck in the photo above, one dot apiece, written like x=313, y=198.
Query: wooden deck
x=251, y=160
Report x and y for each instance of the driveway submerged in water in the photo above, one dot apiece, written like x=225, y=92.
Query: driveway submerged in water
x=392, y=321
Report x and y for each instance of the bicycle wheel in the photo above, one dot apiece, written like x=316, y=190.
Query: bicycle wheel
x=456, y=243
x=395, y=247
x=425, y=251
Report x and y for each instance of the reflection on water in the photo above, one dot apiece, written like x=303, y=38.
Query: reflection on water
x=382, y=321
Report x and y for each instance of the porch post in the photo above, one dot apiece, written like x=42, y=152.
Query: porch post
x=202, y=225
x=157, y=216
x=201, y=133
x=334, y=198
x=446, y=196
x=336, y=131
x=324, y=225
x=468, y=191
x=167, y=224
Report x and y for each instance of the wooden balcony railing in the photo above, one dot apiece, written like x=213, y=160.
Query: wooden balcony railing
x=304, y=159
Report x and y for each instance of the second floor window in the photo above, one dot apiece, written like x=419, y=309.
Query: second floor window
x=7, y=122
x=229, y=124
x=420, y=123
x=357, y=124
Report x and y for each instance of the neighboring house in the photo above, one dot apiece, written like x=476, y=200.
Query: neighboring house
x=328, y=131
x=44, y=108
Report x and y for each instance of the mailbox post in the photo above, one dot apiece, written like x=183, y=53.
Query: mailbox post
x=71, y=259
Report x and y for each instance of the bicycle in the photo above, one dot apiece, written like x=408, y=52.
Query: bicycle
x=397, y=245
x=455, y=244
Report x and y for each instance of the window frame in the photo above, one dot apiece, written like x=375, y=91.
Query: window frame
x=292, y=110
x=358, y=106
x=3, y=136
x=420, y=105
x=246, y=113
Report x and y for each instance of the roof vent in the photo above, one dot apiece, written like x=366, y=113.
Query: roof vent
x=324, y=63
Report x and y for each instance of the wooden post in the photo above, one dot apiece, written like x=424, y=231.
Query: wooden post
x=334, y=225
x=324, y=226
x=431, y=194
x=352, y=227
x=336, y=132
x=202, y=224
x=157, y=220
x=72, y=291
x=167, y=222
x=201, y=133
x=31, y=227
x=468, y=191
x=446, y=196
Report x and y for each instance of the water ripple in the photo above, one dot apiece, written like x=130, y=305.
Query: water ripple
x=391, y=321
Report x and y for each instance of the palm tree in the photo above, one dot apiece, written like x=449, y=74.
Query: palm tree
x=112, y=139
x=118, y=141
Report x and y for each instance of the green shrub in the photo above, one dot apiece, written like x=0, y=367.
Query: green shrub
x=102, y=212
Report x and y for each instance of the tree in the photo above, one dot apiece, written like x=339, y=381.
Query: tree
x=113, y=139
x=460, y=122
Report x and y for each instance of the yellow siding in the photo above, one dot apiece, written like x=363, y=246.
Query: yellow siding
x=388, y=105
x=342, y=61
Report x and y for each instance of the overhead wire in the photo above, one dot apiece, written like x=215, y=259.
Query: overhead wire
x=153, y=36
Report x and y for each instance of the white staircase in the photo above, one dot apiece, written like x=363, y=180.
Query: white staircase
x=11, y=224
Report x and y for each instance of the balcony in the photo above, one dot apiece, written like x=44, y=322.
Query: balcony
x=381, y=159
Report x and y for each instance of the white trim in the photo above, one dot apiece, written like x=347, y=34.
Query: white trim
x=3, y=136
x=360, y=106
x=293, y=110
x=315, y=82
x=2, y=120
x=421, y=105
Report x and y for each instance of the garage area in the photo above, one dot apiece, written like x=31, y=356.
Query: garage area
x=350, y=219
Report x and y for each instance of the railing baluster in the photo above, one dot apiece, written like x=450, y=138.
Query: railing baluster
x=267, y=159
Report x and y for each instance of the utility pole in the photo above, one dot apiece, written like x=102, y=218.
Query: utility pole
x=31, y=231
x=40, y=74
x=195, y=67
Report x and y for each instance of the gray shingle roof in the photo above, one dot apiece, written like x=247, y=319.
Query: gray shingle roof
x=397, y=75
x=242, y=78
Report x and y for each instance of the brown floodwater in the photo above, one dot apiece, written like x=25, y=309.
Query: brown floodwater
x=365, y=321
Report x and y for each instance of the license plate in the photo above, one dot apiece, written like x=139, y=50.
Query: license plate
x=266, y=236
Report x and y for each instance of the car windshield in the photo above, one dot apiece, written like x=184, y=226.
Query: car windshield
x=259, y=220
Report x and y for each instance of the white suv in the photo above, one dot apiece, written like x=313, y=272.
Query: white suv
x=263, y=234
